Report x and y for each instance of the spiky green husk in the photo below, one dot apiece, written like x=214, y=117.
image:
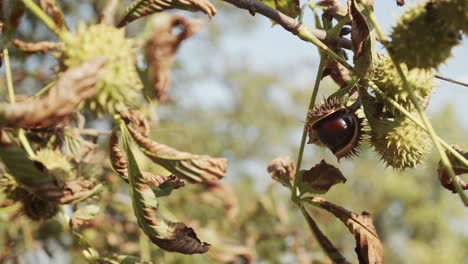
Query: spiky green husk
x=462, y=14
x=387, y=78
x=400, y=143
x=55, y=163
x=425, y=34
x=121, y=81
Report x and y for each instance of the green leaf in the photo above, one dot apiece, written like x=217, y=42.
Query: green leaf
x=170, y=236
x=26, y=172
x=142, y=8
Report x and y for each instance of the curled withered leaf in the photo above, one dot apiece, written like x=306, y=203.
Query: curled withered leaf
x=324, y=242
x=340, y=74
x=42, y=46
x=78, y=190
x=117, y=160
x=168, y=235
x=191, y=167
x=320, y=178
x=72, y=87
x=120, y=164
x=359, y=29
x=12, y=21
x=368, y=246
x=334, y=8
x=83, y=216
x=161, y=48
x=141, y=8
x=51, y=7
x=362, y=34
x=458, y=167
x=282, y=169
x=157, y=180
x=137, y=120
x=43, y=184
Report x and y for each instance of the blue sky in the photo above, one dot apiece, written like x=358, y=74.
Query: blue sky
x=266, y=48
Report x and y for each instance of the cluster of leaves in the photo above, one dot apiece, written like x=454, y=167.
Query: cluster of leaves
x=49, y=159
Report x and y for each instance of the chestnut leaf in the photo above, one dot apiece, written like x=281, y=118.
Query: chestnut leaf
x=141, y=8
x=168, y=235
x=459, y=168
x=320, y=178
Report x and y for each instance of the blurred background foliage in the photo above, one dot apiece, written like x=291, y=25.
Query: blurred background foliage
x=223, y=107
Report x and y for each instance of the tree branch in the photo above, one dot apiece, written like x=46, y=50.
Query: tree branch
x=450, y=80
x=288, y=23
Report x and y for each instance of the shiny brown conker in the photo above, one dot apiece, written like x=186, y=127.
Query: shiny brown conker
x=336, y=130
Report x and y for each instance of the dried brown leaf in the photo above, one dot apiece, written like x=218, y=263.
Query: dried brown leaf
x=168, y=235
x=191, y=167
x=72, y=87
x=42, y=46
x=321, y=178
x=368, y=246
x=120, y=164
x=51, y=7
x=324, y=242
x=141, y=8
x=282, y=169
x=445, y=179
x=334, y=8
x=137, y=120
x=340, y=74
x=359, y=29
x=161, y=48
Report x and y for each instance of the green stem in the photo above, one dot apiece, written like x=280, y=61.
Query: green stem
x=145, y=249
x=44, y=89
x=9, y=78
x=443, y=156
x=304, y=34
x=33, y=7
x=318, y=78
x=11, y=95
x=322, y=240
x=405, y=112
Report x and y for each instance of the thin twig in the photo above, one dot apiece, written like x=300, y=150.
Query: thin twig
x=288, y=23
x=313, y=97
x=107, y=16
x=451, y=80
x=42, y=46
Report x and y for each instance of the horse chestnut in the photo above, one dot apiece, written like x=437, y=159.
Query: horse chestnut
x=335, y=130
x=335, y=126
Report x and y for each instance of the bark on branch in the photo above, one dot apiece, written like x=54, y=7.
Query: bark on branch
x=288, y=23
